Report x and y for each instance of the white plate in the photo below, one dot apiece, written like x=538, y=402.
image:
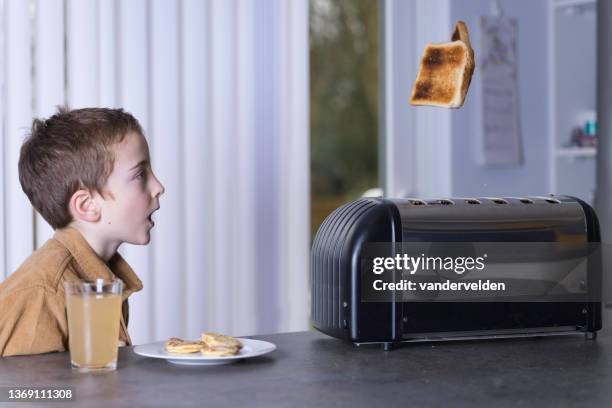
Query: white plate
x=250, y=348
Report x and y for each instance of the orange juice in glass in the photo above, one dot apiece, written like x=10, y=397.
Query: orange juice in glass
x=94, y=313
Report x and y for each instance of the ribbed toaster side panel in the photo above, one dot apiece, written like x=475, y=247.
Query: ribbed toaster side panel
x=325, y=261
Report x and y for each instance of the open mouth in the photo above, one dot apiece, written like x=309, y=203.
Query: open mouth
x=150, y=217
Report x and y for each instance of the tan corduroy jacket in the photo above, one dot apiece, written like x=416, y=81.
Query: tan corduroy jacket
x=32, y=309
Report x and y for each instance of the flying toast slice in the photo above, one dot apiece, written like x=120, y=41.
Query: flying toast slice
x=445, y=72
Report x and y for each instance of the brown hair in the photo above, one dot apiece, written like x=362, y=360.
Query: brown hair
x=67, y=152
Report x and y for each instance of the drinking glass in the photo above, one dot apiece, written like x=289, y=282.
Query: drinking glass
x=94, y=313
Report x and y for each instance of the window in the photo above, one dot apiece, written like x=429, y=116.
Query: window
x=344, y=44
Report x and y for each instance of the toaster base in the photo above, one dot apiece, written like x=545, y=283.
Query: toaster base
x=458, y=336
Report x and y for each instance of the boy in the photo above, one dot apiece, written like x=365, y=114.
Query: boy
x=88, y=173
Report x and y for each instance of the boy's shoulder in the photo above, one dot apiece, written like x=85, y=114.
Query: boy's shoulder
x=44, y=268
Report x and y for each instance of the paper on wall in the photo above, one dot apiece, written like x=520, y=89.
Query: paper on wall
x=501, y=142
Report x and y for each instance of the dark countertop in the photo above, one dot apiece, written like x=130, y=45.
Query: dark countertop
x=311, y=369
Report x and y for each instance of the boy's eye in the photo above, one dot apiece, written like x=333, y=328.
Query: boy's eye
x=140, y=175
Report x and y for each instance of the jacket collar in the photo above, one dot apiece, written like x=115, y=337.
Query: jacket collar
x=91, y=267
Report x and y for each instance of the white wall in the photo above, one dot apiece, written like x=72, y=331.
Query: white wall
x=221, y=90
x=469, y=177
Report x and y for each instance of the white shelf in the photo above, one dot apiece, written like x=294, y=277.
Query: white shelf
x=574, y=152
x=573, y=3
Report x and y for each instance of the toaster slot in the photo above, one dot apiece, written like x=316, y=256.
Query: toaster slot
x=548, y=199
x=442, y=201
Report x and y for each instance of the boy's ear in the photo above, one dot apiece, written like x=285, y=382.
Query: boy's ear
x=84, y=207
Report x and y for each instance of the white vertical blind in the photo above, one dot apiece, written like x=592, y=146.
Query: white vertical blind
x=107, y=43
x=49, y=81
x=3, y=179
x=293, y=157
x=223, y=176
x=198, y=201
x=267, y=258
x=166, y=138
x=18, y=214
x=83, y=45
x=295, y=193
x=245, y=199
x=220, y=88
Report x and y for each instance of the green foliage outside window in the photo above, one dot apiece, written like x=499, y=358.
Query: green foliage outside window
x=344, y=58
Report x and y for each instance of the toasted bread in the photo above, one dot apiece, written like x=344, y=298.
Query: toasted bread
x=180, y=346
x=219, y=351
x=445, y=72
x=461, y=34
x=216, y=340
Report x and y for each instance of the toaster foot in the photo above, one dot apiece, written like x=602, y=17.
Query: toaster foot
x=590, y=335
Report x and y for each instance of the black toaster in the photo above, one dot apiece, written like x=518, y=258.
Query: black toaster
x=338, y=308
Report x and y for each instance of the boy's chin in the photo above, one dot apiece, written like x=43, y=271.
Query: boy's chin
x=143, y=239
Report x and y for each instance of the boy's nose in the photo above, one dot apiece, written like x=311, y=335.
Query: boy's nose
x=159, y=188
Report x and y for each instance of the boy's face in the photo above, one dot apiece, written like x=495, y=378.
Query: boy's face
x=134, y=193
